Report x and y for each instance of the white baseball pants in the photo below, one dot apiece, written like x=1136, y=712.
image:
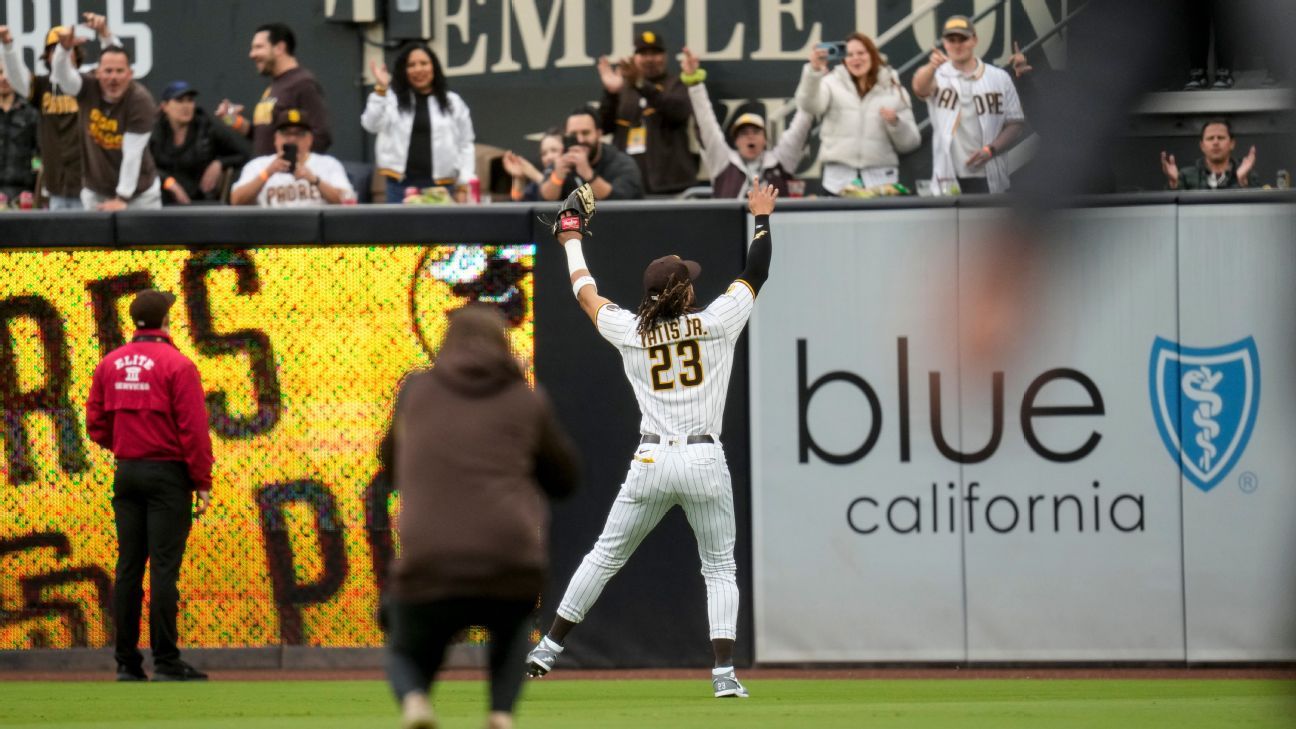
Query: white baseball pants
x=696, y=477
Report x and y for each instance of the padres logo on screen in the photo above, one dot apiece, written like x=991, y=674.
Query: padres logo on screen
x=300, y=350
x=490, y=274
x=1205, y=402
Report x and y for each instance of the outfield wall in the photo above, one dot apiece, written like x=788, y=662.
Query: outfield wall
x=1059, y=448
x=301, y=324
x=304, y=321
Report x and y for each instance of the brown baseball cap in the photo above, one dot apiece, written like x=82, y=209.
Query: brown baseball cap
x=662, y=272
x=958, y=25
x=648, y=41
x=291, y=118
x=149, y=308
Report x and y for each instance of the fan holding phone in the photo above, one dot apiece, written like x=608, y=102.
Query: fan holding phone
x=866, y=113
x=294, y=177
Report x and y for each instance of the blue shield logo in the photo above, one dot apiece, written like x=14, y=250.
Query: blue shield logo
x=1205, y=403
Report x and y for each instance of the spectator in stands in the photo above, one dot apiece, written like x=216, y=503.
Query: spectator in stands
x=476, y=455
x=425, y=132
x=611, y=174
x=526, y=176
x=867, y=116
x=191, y=150
x=974, y=109
x=116, y=116
x=647, y=112
x=731, y=170
x=59, y=132
x=18, y=123
x=1209, y=19
x=274, y=49
x=294, y=176
x=1216, y=169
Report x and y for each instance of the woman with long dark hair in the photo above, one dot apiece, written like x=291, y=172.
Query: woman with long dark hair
x=867, y=115
x=425, y=132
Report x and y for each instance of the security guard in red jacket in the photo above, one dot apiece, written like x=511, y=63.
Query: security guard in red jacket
x=146, y=405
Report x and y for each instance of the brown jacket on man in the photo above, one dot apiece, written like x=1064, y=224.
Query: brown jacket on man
x=475, y=455
x=661, y=109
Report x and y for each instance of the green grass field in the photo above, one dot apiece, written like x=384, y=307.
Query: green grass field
x=579, y=704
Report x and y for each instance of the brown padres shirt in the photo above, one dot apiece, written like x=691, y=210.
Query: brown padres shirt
x=59, y=136
x=106, y=125
x=293, y=89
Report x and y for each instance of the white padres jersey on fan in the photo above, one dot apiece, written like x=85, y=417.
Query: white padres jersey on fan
x=990, y=94
x=283, y=190
x=680, y=370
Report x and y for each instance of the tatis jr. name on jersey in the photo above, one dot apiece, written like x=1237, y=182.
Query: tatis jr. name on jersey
x=683, y=328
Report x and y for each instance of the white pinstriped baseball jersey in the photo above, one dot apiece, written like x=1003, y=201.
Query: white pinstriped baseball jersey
x=992, y=96
x=680, y=371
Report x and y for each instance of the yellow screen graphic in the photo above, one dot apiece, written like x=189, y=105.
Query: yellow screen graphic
x=300, y=351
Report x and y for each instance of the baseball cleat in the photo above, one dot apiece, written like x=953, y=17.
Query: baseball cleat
x=540, y=661
x=727, y=685
x=576, y=212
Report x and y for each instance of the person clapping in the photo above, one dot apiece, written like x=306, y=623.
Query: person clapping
x=1215, y=169
x=425, y=131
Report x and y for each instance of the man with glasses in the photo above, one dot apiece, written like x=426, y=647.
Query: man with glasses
x=293, y=177
x=974, y=110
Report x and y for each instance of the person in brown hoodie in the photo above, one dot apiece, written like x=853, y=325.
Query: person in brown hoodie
x=473, y=452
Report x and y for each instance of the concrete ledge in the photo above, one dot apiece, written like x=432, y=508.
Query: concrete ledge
x=1228, y=102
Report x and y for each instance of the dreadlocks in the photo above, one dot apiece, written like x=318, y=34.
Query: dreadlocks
x=671, y=303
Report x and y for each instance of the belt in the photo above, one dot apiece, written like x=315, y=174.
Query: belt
x=690, y=440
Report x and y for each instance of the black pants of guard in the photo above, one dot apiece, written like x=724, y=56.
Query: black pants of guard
x=153, y=507
x=420, y=633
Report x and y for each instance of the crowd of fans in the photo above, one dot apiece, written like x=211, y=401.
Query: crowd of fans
x=102, y=143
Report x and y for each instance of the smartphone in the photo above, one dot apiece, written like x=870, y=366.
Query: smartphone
x=836, y=50
x=569, y=141
x=84, y=32
x=290, y=154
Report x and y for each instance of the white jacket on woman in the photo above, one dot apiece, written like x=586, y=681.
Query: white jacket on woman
x=452, y=136
x=854, y=133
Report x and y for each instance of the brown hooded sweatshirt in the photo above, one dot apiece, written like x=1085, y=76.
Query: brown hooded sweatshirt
x=475, y=452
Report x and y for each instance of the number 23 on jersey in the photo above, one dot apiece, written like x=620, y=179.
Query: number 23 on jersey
x=664, y=374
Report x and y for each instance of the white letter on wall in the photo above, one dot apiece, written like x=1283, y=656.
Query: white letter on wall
x=866, y=17
x=771, y=31
x=142, y=55
x=624, y=21
x=537, y=38
x=695, y=34
x=444, y=21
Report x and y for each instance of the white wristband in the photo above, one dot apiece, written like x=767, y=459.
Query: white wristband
x=575, y=256
x=580, y=283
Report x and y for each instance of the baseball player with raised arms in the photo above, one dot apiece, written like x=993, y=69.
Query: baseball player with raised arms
x=678, y=360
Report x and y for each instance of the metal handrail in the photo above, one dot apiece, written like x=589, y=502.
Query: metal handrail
x=906, y=23
x=1029, y=47
x=912, y=62
x=1054, y=30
